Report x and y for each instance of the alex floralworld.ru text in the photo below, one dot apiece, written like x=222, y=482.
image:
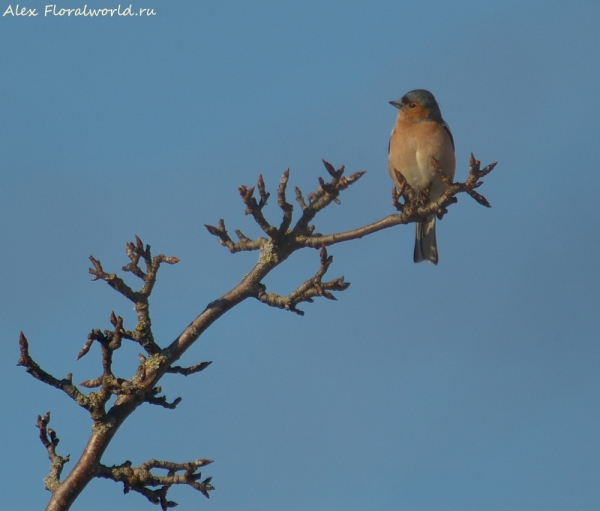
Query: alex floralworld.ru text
x=53, y=10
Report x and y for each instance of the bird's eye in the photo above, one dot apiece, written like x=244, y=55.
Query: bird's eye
x=412, y=105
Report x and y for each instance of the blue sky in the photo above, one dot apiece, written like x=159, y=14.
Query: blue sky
x=471, y=385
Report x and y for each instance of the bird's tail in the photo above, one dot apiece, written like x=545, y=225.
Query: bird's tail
x=425, y=244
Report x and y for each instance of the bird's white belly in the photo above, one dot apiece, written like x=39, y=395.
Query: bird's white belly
x=421, y=172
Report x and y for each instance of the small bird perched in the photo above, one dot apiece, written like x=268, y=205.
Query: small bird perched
x=420, y=140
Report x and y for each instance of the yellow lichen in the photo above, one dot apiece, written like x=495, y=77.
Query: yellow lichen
x=154, y=361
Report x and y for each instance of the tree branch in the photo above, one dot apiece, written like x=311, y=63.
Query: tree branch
x=142, y=387
x=414, y=208
x=50, y=441
x=283, y=204
x=66, y=384
x=255, y=208
x=186, y=371
x=162, y=400
x=136, y=251
x=140, y=479
x=306, y=291
x=245, y=244
x=324, y=195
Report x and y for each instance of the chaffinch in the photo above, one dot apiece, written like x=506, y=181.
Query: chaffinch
x=420, y=137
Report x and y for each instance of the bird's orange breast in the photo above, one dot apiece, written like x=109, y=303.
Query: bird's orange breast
x=413, y=146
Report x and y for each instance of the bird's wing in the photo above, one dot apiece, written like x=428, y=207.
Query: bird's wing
x=447, y=128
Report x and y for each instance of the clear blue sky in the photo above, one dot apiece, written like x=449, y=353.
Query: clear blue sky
x=473, y=385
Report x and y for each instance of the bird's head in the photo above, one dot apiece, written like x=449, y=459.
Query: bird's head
x=418, y=105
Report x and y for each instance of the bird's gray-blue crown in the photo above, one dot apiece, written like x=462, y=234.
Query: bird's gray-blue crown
x=425, y=99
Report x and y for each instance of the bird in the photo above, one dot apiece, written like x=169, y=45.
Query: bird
x=420, y=141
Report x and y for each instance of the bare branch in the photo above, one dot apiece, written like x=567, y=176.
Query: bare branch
x=306, y=291
x=66, y=384
x=112, y=280
x=50, y=441
x=140, y=479
x=136, y=251
x=414, y=209
x=186, y=371
x=255, y=208
x=135, y=255
x=474, y=180
x=299, y=198
x=92, y=384
x=109, y=384
x=283, y=204
x=324, y=195
x=245, y=244
x=264, y=196
x=162, y=400
x=142, y=387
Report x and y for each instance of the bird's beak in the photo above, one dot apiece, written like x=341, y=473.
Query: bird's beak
x=397, y=104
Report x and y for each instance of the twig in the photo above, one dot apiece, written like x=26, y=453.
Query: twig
x=324, y=195
x=255, y=208
x=136, y=251
x=162, y=400
x=140, y=479
x=50, y=441
x=245, y=244
x=283, y=204
x=186, y=371
x=306, y=291
x=66, y=384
